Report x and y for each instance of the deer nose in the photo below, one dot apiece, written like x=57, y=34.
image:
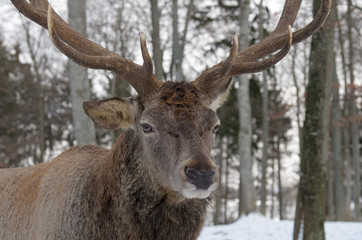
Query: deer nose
x=202, y=179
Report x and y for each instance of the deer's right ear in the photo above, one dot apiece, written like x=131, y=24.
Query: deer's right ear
x=112, y=113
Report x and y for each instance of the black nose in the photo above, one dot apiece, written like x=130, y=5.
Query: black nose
x=201, y=179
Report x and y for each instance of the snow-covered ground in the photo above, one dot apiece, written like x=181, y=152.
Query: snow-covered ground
x=257, y=227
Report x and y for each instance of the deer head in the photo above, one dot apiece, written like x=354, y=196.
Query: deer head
x=174, y=122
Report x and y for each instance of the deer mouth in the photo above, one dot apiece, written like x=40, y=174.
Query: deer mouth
x=197, y=184
x=193, y=181
x=191, y=191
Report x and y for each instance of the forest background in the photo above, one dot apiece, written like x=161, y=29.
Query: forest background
x=288, y=134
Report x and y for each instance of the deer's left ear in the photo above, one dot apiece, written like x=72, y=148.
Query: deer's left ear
x=112, y=113
x=221, y=95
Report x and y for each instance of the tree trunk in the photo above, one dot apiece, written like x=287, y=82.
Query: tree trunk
x=246, y=185
x=220, y=160
x=316, y=130
x=346, y=146
x=339, y=191
x=280, y=189
x=156, y=42
x=80, y=90
x=265, y=138
x=298, y=216
x=330, y=192
x=272, y=176
x=265, y=127
x=356, y=158
x=299, y=213
x=299, y=101
x=176, y=44
x=226, y=187
x=347, y=160
x=354, y=119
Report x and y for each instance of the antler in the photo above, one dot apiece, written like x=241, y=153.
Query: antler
x=247, y=60
x=87, y=53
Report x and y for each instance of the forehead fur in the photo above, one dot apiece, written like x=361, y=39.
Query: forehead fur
x=181, y=95
x=183, y=100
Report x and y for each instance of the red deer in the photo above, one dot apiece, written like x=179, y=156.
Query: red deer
x=159, y=177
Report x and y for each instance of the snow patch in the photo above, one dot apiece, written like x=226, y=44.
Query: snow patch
x=258, y=227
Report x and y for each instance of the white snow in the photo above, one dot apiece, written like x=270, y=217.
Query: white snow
x=257, y=227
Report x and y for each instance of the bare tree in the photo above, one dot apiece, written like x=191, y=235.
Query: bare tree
x=354, y=118
x=298, y=210
x=220, y=164
x=339, y=190
x=265, y=137
x=80, y=90
x=179, y=41
x=280, y=188
x=156, y=41
x=247, y=197
x=316, y=132
x=345, y=130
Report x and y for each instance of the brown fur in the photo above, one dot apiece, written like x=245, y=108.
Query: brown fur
x=89, y=192
x=94, y=198
x=181, y=95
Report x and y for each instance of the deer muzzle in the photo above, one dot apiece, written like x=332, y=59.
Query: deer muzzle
x=200, y=177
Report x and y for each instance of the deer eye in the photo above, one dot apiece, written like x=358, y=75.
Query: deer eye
x=146, y=128
x=216, y=128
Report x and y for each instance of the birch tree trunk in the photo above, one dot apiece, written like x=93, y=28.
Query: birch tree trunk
x=247, y=195
x=265, y=127
x=84, y=130
x=156, y=42
x=298, y=216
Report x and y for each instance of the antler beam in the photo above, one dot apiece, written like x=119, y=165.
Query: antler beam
x=248, y=60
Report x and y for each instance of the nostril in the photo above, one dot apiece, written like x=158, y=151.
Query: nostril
x=209, y=174
x=191, y=174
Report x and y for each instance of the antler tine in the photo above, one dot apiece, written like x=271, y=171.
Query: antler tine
x=147, y=61
x=253, y=67
x=313, y=26
x=211, y=80
x=275, y=40
x=89, y=54
x=225, y=69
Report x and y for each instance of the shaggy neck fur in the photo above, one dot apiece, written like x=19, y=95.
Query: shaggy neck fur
x=126, y=203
